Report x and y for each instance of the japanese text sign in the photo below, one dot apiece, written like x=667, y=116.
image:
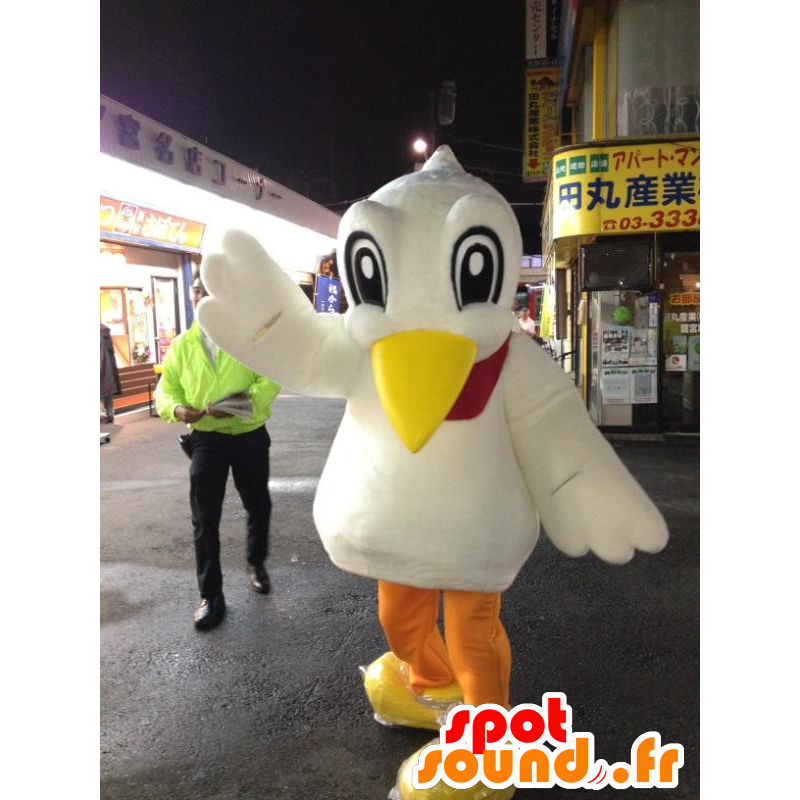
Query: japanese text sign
x=542, y=28
x=329, y=295
x=541, y=122
x=684, y=299
x=137, y=222
x=635, y=188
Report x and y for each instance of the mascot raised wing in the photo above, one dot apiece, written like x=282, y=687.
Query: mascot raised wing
x=457, y=437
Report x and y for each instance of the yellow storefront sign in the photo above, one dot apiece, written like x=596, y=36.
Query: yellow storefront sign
x=633, y=188
x=547, y=322
x=137, y=222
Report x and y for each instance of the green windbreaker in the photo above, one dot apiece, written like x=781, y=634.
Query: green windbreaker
x=190, y=379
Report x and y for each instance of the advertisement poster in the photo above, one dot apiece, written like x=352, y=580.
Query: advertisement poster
x=675, y=363
x=547, y=321
x=164, y=297
x=638, y=354
x=652, y=346
x=693, y=354
x=616, y=346
x=643, y=347
x=644, y=381
x=542, y=79
x=641, y=315
x=653, y=315
x=540, y=123
x=616, y=386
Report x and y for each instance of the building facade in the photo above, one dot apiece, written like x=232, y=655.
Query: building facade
x=621, y=220
x=164, y=200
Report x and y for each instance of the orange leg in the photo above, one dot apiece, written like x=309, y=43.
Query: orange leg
x=408, y=617
x=478, y=646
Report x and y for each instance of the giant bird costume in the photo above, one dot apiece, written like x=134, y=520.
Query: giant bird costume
x=458, y=436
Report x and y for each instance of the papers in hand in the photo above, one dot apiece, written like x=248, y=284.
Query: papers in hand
x=240, y=405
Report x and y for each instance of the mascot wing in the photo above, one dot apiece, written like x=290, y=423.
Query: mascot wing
x=257, y=314
x=585, y=497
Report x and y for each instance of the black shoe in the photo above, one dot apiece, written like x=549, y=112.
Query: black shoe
x=210, y=612
x=259, y=580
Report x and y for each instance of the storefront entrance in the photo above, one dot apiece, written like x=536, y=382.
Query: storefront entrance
x=623, y=359
x=140, y=301
x=644, y=337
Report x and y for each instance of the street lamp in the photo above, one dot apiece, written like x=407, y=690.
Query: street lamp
x=420, y=148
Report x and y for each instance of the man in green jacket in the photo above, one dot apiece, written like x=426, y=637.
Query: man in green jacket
x=197, y=377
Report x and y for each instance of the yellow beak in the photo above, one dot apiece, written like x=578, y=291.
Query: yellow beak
x=419, y=375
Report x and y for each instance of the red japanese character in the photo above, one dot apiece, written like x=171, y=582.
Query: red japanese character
x=684, y=152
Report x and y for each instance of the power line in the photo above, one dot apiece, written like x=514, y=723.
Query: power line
x=486, y=144
x=492, y=171
x=345, y=202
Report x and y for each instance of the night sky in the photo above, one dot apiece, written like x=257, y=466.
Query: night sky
x=325, y=97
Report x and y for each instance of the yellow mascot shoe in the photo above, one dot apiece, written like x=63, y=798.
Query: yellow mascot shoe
x=394, y=702
x=403, y=790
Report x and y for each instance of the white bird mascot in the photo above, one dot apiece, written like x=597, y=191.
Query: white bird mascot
x=458, y=436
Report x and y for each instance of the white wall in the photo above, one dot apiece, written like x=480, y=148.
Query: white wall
x=293, y=246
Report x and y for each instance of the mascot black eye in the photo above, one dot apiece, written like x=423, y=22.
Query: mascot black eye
x=477, y=269
x=366, y=269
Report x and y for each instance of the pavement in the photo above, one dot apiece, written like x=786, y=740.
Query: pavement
x=271, y=704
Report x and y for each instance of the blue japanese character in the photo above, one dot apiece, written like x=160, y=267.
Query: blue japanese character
x=595, y=191
x=194, y=161
x=163, y=153
x=129, y=131
x=642, y=191
x=570, y=193
x=679, y=188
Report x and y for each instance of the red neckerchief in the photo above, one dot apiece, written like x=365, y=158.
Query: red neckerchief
x=480, y=385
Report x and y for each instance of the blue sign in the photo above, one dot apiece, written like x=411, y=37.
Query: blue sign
x=329, y=295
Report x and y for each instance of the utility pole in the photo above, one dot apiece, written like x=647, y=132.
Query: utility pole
x=442, y=110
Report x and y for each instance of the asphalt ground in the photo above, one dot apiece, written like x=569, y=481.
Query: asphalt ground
x=271, y=704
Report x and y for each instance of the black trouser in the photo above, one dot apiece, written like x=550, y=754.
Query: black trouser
x=247, y=455
x=108, y=403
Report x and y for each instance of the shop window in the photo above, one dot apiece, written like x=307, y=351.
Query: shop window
x=128, y=314
x=680, y=333
x=112, y=314
x=654, y=54
x=617, y=265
